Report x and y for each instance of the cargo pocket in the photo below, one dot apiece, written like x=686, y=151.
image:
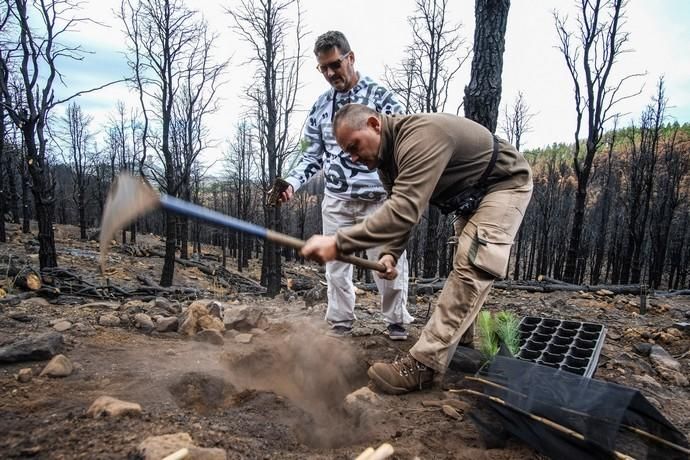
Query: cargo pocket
x=491, y=250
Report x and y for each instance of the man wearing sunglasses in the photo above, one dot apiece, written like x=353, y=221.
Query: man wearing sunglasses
x=352, y=190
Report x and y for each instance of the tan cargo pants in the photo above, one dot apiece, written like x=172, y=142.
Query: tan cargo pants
x=482, y=254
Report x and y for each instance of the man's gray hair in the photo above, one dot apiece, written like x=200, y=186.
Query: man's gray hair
x=329, y=40
x=354, y=115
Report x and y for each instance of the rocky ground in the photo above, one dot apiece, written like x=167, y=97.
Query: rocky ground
x=231, y=375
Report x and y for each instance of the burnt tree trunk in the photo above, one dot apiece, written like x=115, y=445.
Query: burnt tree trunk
x=43, y=189
x=12, y=191
x=483, y=94
x=3, y=191
x=169, y=259
x=271, y=270
x=26, y=198
x=600, y=245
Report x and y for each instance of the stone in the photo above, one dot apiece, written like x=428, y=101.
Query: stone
x=605, y=292
x=661, y=358
x=257, y=331
x=21, y=316
x=682, y=326
x=101, y=305
x=664, y=337
x=243, y=338
x=164, y=304
x=158, y=447
x=35, y=348
x=59, y=366
x=363, y=394
x=196, y=318
x=362, y=401
x=25, y=375
x=209, y=336
x=109, y=320
x=167, y=324
x=143, y=321
x=35, y=302
x=643, y=348
x=245, y=318
x=112, y=407
x=362, y=331
x=83, y=327
x=62, y=326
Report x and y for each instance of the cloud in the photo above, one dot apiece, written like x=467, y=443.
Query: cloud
x=379, y=31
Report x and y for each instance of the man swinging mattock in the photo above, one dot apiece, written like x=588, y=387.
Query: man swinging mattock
x=461, y=167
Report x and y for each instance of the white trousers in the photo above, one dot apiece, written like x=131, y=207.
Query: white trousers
x=341, y=292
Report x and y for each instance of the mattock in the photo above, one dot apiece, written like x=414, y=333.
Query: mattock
x=130, y=197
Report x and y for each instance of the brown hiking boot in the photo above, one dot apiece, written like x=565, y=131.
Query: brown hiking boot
x=401, y=376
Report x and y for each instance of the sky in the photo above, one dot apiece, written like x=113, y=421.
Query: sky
x=378, y=31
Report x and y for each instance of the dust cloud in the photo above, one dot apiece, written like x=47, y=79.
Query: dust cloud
x=315, y=373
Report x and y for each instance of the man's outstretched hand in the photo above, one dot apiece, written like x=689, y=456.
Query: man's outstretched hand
x=320, y=248
x=391, y=272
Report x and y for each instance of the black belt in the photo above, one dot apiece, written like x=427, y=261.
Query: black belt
x=467, y=200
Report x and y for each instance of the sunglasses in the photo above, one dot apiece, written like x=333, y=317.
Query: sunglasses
x=335, y=65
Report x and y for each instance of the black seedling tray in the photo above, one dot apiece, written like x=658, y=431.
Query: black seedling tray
x=569, y=345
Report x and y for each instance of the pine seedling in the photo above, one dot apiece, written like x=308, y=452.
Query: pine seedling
x=488, y=341
x=508, y=330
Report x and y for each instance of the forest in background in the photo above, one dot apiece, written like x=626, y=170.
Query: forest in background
x=611, y=208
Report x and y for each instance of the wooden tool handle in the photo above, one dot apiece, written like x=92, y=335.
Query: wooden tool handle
x=296, y=243
x=185, y=208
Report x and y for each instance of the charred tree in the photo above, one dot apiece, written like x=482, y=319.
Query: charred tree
x=76, y=137
x=483, y=94
x=34, y=57
x=163, y=37
x=605, y=211
x=265, y=26
x=240, y=166
x=589, y=54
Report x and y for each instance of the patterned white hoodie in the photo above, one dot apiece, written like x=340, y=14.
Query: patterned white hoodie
x=345, y=180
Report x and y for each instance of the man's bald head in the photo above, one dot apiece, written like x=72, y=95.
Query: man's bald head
x=353, y=115
x=357, y=129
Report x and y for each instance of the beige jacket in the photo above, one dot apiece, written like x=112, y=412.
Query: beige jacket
x=428, y=157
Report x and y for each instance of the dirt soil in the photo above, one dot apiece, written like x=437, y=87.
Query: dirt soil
x=282, y=395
